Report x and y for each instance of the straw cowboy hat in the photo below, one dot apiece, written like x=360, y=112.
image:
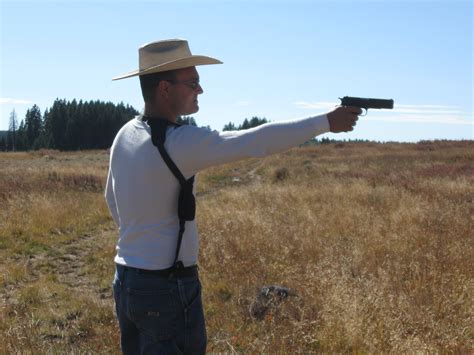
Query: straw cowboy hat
x=166, y=55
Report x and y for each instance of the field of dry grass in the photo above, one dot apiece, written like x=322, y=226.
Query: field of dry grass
x=375, y=241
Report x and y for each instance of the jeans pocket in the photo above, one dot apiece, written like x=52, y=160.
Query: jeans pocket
x=193, y=295
x=153, y=312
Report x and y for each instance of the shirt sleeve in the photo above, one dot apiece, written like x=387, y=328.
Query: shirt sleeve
x=194, y=149
x=110, y=198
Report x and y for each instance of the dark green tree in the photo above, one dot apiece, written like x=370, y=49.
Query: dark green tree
x=245, y=124
x=186, y=120
x=21, y=137
x=3, y=144
x=33, y=126
x=254, y=122
x=44, y=140
x=57, y=124
x=229, y=127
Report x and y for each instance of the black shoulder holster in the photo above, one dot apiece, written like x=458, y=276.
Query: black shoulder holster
x=186, y=201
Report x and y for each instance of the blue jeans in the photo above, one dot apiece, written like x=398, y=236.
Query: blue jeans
x=158, y=315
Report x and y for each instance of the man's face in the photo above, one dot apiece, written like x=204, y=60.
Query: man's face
x=184, y=92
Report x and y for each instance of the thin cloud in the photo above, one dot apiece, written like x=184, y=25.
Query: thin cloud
x=315, y=105
x=445, y=119
x=5, y=101
x=242, y=103
x=428, y=109
x=427, y=112
x=427, y=106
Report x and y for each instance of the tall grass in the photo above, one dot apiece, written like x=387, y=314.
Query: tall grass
x=374, y=240
x=51, y=204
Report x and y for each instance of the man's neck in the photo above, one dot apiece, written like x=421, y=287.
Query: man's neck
x=154, y=111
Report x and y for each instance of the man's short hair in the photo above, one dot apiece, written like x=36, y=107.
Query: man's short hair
x=150, y=82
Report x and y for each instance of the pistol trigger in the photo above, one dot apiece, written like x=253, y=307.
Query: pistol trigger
x=365, y=114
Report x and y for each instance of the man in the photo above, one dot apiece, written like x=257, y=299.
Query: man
x=156, y=287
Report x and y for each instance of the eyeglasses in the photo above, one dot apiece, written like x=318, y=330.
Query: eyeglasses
x=193, y=84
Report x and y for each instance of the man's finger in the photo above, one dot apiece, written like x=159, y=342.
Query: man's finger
x=354, y=110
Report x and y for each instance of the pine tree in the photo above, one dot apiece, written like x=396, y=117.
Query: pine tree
x=229, y=127
x=44, y=140
x=256, y=121
x=186, y=120
x=33, y=123
x=21, y=137
x=245, y=124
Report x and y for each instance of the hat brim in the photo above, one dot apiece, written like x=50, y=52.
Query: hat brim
x=173, y=65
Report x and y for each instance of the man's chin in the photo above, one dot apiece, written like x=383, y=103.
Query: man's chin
x=194, y=110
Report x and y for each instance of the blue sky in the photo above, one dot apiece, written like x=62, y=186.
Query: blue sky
x=282, y=59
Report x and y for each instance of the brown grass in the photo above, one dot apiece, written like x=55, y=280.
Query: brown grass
x=375, y=240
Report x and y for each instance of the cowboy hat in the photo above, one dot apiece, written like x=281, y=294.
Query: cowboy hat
x=166, y=55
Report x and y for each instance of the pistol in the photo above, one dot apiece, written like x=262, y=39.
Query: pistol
x=366, y=103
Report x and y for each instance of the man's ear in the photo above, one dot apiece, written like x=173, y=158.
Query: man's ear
x=163, y=89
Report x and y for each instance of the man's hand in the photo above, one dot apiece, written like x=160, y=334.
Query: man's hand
x=343, y=118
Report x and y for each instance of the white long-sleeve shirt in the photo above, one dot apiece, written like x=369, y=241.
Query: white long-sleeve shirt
x=142, y=192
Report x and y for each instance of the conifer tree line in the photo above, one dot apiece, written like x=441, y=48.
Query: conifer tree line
x=67, y=125
x=72, y=125
x=253, y=122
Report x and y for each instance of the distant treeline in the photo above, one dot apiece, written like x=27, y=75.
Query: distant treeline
x=67, y=125
x=253, y=122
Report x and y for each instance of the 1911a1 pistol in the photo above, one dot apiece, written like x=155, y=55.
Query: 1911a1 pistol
x=366, y=103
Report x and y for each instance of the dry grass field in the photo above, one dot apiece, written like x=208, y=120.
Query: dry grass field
x=375, y=241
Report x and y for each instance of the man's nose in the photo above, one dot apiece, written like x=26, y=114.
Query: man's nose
x=199, y=89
